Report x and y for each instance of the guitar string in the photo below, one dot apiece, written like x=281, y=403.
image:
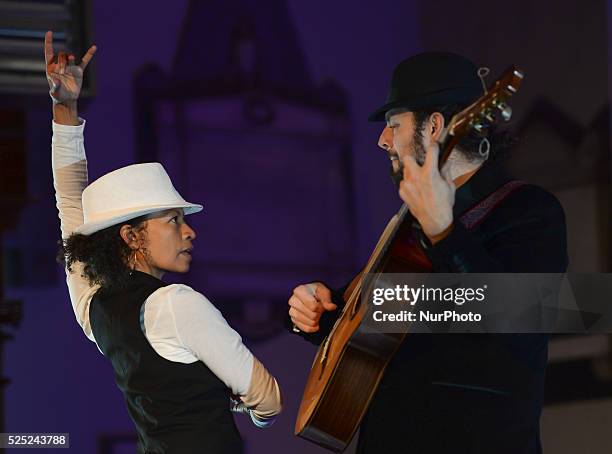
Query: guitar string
x=390, y=230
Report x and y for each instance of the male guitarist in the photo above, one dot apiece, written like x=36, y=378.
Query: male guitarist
x=460, y=393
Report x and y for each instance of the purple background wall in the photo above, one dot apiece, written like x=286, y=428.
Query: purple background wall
x=61, y=383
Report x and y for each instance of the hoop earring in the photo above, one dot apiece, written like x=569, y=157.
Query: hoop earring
x=484, y=148
x=133, y=263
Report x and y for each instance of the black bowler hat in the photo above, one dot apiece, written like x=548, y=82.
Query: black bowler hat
x=431, y=79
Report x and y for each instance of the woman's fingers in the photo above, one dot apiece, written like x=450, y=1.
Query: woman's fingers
x=71, y=60
x=48, y=47
x=61, y=63
x=55, y=85
x=88, y=56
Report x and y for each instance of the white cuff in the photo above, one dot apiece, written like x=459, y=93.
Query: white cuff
x=68, y=129
x=67, y=144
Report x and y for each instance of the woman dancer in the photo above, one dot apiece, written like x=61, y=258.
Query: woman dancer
x=176, y=360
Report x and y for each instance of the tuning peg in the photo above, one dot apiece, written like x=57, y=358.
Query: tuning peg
x=506, y=111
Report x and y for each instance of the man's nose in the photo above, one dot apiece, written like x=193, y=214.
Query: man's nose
x=385, y=139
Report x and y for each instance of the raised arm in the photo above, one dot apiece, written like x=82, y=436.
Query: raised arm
x=68, y=161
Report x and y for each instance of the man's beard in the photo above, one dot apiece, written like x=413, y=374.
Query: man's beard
x=417, y=149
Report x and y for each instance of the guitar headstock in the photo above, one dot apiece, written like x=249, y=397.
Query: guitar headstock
x=487, y=109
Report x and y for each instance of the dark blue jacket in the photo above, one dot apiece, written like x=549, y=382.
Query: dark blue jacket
x=471, y=393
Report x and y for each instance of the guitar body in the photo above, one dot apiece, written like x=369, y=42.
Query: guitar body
x=331, y=409
x=340, y=389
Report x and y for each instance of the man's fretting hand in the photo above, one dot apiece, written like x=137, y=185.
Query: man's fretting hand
x=429, y=195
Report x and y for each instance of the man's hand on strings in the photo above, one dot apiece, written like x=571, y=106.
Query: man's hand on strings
x=429, y=195
x=307, y=304
x=65, y=77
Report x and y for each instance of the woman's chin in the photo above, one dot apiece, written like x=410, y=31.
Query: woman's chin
x=185, y=268
x=182, y=269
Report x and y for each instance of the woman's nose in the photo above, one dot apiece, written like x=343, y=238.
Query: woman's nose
x=189, y=232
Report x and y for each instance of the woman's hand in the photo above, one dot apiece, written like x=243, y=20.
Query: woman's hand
x=65, y=77
x=65, y=80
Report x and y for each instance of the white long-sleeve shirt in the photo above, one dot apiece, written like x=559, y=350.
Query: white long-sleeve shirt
x=181, y=324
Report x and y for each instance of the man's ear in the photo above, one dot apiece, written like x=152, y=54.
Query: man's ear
x=436, y=125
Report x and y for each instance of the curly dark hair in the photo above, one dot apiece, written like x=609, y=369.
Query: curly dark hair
x=104, y=254
x=501, y=140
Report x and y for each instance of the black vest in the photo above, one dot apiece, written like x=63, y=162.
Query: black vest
x=177, y=408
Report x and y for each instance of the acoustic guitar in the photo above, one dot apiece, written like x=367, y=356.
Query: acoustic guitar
x=351, y=360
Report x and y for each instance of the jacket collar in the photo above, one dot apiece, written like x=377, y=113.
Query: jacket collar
x=485, y=181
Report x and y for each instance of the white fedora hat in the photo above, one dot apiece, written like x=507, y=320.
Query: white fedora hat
x=127, y=193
